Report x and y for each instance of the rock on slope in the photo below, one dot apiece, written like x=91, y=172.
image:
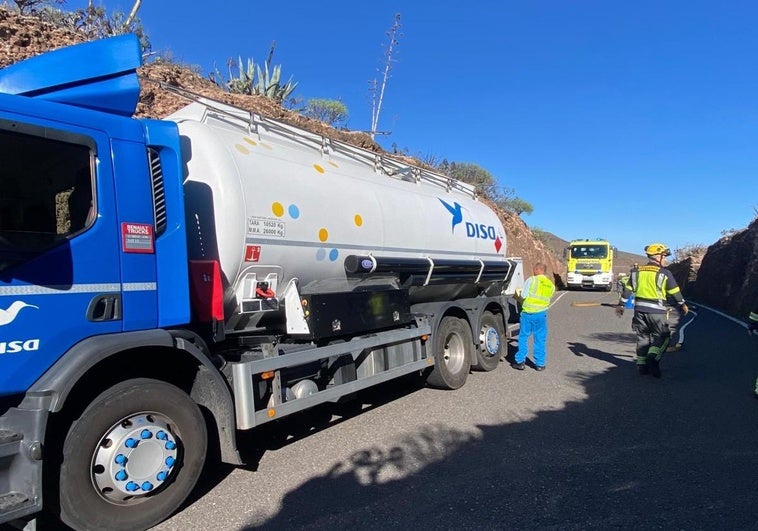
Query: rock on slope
x=727, y=277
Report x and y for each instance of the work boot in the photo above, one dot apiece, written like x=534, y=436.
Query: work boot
x=518, y=366
x=642, y=369
x=655, y=367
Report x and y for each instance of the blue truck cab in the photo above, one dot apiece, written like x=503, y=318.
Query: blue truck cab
x=93, y=271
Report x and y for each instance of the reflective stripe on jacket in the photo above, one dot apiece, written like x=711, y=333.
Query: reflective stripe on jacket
x=651, y=285
x=537, y=292
x=753, y=316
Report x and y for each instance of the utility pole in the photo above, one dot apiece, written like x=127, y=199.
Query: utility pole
x=376, y=100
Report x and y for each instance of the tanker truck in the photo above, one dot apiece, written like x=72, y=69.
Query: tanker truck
x=166, y=286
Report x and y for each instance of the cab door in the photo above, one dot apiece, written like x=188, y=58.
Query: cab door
x=60, y=277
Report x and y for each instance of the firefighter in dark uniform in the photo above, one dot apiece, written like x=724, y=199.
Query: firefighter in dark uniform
x=652, y=284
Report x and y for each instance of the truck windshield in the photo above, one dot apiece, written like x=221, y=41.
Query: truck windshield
x=46, y=191
x=589, y=251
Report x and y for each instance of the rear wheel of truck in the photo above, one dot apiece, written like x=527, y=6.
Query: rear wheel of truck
x=453, y=346
x=132, y=457
x=491, y=343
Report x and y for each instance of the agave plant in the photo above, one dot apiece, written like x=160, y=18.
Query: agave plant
x=269, y=85
x=242, y=84
x=252, y=80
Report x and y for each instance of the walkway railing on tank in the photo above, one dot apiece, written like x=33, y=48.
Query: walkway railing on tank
x=382, y=163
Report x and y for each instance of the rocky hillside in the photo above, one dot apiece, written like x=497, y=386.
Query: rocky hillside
x=24, y=37
x=727, y=275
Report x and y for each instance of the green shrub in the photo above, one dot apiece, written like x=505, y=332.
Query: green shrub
x=332, y=112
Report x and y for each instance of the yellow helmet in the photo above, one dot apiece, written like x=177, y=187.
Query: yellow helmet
x=657, y=248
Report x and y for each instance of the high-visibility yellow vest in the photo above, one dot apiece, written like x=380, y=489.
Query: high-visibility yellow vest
x=537, y=292
x=649, y=285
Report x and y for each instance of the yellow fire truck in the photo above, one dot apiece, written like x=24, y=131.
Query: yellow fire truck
x=589, y=264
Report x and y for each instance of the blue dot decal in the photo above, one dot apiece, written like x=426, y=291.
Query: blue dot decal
x=294, y=211
x=321, y=254
x=334, y=254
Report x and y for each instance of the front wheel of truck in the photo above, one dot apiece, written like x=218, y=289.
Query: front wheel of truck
x=132, y=457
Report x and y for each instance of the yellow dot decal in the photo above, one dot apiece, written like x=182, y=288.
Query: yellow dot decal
x=323, y=235
x=318, y=168
x=242, y=149
x=266, y=146
x=277, y=209
x=250, y=141
x=358, y=220
x=334, y=164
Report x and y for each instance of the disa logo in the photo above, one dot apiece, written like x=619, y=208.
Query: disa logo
x=7, y=317
x=9, y=347
x=473, y=230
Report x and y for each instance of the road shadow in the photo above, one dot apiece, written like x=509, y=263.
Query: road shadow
x=635, y=453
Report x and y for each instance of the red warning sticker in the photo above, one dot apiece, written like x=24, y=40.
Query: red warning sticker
x=137, y=238
x=252, y=253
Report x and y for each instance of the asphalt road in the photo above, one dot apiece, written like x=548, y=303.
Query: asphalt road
x=586, y=444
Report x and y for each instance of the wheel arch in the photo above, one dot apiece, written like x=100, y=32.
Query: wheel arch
x=497, y=309
x=436, y=311
x=176, y=357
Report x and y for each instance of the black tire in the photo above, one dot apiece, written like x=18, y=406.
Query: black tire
x=453, y=346
x=491, y=343
x=92, y=497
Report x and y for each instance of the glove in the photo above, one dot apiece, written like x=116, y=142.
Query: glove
x=685, y=309
x=619, y=310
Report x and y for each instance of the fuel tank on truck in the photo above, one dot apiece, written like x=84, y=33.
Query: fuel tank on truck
x=272, y=202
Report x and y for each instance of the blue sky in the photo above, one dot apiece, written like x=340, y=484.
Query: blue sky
x=632, y=121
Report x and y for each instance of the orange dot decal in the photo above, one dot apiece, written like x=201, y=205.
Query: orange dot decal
x=323, y=235
x=277, y=209
x=318, y=168
x=358, y=220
